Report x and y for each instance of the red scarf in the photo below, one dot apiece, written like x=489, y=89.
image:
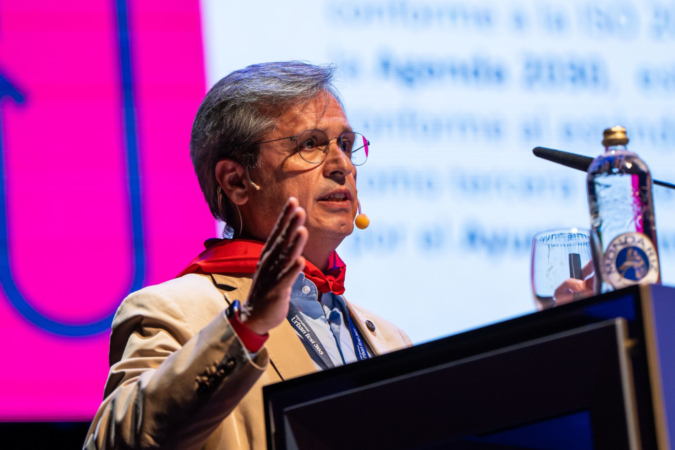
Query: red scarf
x=240, y=257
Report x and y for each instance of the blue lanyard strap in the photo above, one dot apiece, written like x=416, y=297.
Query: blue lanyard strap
x=359, y=346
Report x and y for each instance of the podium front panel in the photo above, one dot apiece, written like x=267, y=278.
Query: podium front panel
x=480, y=361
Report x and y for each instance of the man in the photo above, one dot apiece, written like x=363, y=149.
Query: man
x=275, y=157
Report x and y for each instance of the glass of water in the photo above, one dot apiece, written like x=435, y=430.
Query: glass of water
x=557, y=256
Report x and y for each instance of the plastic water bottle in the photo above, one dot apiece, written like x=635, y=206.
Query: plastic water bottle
x=623, y=233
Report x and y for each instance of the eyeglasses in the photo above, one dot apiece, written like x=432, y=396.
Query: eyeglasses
x=313, y=145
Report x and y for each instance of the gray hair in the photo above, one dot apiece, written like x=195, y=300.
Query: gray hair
x=240, y=109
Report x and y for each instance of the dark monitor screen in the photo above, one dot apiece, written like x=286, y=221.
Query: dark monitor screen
x=567, y=390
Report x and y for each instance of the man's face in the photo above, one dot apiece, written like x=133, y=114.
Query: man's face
x=326, y=191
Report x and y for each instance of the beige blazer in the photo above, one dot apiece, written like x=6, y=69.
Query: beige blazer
x=181, y=379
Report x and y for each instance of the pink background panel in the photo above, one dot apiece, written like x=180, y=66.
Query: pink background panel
x=66, y=181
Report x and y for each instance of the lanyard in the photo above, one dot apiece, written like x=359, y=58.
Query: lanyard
x=359, y=346
x=308, y=335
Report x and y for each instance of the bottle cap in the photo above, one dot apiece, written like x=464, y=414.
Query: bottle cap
x=614, y=136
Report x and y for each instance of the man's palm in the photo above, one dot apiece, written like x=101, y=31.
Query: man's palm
x=279, y=266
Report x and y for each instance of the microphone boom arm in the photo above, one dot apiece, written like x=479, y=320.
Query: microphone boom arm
x=575, y=161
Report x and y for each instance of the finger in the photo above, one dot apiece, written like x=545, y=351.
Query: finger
x=572, y=285
x=274, y=248
x=276, y=269
x=590, y=283
x=284, y=217
x=288, y=276
x=288, y=254
x=297, y=220
x=282, y=221
x=587, y=269
x=298, y=245
x=563, y=298
x=565, y=292
x=279, y=252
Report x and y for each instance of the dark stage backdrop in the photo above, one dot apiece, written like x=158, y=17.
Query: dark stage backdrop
x=98, y=197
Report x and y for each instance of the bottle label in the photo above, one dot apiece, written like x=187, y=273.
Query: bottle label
x=630, y=259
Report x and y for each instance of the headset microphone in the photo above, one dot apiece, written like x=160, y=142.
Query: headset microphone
x=362, y=221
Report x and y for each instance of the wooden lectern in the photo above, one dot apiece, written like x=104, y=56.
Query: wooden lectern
x=595, y=374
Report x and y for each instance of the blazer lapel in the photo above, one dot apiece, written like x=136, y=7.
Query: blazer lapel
x=287, y=353
x=376, y=341
x=284, y=349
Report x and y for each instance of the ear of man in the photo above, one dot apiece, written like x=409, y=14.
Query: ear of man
x=233, y=181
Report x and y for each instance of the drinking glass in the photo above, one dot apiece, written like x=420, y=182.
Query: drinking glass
x=557, y=256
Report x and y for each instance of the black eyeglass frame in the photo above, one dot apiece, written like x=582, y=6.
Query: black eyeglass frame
x=324, y=151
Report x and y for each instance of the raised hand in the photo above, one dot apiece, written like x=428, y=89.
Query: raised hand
x=280, y=264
